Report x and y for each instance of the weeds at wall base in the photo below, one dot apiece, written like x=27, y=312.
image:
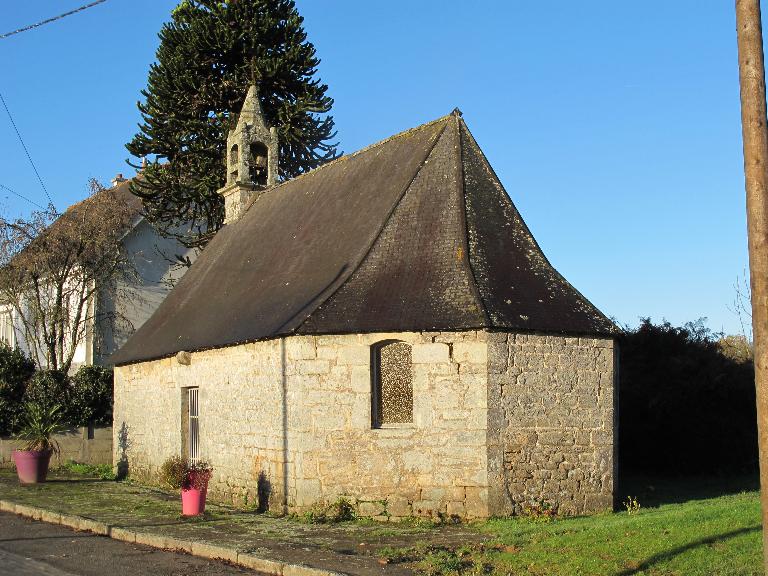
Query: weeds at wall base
x=100, y=471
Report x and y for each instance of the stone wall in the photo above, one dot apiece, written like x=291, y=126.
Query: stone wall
x=75, y=445
x=241, y=426
x=498, y=421
x=552, y=422
x=438, y=464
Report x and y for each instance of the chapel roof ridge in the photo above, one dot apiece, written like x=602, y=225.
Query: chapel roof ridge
x=346, y=157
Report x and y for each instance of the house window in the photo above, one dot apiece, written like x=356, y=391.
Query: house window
x=190, y=424
x=6, y=327
x=392, y=384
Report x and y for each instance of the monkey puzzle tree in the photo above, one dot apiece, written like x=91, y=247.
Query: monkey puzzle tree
x=210, y=52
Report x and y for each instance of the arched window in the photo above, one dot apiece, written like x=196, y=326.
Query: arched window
x=392, y=384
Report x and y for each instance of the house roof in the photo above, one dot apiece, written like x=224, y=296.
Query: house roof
x=88, y=209
x=413, y=233
x=122, y=194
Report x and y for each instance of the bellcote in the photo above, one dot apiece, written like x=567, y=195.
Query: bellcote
x=252, y=158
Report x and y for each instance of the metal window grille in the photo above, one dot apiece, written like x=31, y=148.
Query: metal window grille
x=194, y=426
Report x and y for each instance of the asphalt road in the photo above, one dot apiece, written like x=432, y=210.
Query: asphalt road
x=31, y=548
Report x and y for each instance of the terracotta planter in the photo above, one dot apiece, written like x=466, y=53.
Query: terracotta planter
x=193, y=500
x=31, y=465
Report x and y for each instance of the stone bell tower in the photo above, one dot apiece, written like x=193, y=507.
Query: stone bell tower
x=252, y=156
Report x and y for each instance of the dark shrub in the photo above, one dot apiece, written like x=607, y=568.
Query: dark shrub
x=91, y=396
x=685, y=407
x=49, y=388
x=15, y=370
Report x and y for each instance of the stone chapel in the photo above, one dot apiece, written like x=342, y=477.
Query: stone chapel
x=383, y=328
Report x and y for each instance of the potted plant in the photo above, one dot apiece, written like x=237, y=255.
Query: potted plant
x=39, y=425
x=192, y=478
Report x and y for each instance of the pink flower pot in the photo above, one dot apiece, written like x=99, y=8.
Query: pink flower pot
x=31, y=465
x=193, y=501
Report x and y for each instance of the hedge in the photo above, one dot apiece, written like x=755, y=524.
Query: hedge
x=86, y=397
x=15, y=371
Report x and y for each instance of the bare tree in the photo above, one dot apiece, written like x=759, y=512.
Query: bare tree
x=52, y=266
x=742, y=304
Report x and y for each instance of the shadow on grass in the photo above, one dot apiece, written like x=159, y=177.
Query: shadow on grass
x=652, y=492
x=669, y=554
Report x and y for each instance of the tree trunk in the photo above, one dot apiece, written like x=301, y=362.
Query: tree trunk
x=755, y=136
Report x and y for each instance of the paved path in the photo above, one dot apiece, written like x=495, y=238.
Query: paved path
x=31, y=548
x=138, y=514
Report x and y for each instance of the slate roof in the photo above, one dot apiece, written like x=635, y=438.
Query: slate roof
x=413, y=233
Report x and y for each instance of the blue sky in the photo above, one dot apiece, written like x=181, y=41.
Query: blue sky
x=614, y=126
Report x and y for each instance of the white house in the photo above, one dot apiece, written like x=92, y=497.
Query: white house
x=128, y=304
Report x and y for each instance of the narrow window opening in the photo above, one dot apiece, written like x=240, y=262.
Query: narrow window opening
x=234, y=159
x=392, y=384
x=259, y=164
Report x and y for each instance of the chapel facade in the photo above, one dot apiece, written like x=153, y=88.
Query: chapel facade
x=384, y=328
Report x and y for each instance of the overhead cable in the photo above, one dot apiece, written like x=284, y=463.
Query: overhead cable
x=39, y=179
x=4, y=187
x=49, y=20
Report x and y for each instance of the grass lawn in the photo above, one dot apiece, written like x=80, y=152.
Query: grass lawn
x=718, y=535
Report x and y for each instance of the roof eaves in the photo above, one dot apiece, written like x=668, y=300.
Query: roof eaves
x=132, y=227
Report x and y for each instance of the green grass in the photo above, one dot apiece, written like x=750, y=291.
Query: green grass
x=101, y=471
x=683, y=528
x=708, y=537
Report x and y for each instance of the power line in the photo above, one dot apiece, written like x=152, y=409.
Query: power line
x=49, y=20
x=25, y=148
x=4, y=187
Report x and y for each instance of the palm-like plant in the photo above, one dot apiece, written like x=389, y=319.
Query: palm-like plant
x=39, y=425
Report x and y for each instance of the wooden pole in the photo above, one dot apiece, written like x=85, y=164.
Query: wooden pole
x=755, y=137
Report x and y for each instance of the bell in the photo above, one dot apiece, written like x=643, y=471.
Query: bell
x=260, y=161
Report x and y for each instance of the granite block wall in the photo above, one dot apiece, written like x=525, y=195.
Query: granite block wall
x=499, y=421
x=552, y=423
x=306, y=401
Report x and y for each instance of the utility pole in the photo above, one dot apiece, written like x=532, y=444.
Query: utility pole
x=755, y=136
